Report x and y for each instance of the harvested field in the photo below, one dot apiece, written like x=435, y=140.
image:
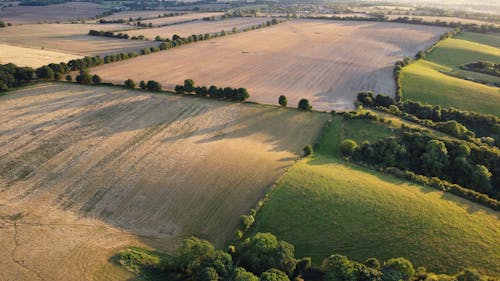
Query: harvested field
x=136, y=14
x=51, y=13
x=197, y=27
x=69, y=38
x=95, y=168
x=445, y=19
x=326, y=61
x=182, y=18
x=31, y=57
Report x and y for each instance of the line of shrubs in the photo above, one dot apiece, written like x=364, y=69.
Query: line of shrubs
x=458, y=123
x=234, y=94
x=110, y=34
x=262, y=257
x=138, y=19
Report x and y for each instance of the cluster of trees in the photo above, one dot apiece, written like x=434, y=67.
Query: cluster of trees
x=121, y=21
x=108, y=34
x=463, y=163
x=458, y=123
x=3, y=24
x=472, y=27
x=12, y=76
x=85, y=78
x=235, y=94
x=486, y=67
x=262, y=257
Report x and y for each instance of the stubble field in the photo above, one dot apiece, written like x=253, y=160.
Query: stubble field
x=328, y=62
x=105, y=167
x=182, y=18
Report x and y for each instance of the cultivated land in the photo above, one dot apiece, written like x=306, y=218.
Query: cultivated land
x=323, y=206
x=71, y=39
x=434, y=79
x=136, y=14
x=31, y=57
x=106, y=167
x=51, y=13
x=198, y=27
x=443, y=19
x=328, y=62
x=182, y=18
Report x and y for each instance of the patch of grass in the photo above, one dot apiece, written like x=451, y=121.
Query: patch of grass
x=324, y=207
x=433, y=80
x=487, y=39
x=148, y=264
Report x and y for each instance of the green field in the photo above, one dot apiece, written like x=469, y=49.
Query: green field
x=434, y=79
x=323, y=206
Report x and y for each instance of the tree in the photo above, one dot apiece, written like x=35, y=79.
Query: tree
x=84, y=77
x=179, y=89
x=241, y=94
x=469, y=274
x=142, y=84
x=192, y=254
x=189, y=85
x=348, y=147
x=129, y=83
x=96, y=79
x=69, y=78
x=435, y=158
x=307, y=150
x=246, y=221
x=153, y=86
x=273, y=275
x=240, y=274
x=209, y=274
x=397, y=269
x=2, y=24
x=282, y=100
x=45, y=72
x=263, y=251
x=304, y=104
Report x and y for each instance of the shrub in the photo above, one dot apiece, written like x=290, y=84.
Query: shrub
x=153, y=86
x=398, y=269
x=84, y=77
x=142, y=85
x=348, y=146
x=69, y=78
x=129, y=83
x=307, y=150
x=96, y=79
x=189, y=85
x=282, y=100
x=246, y=221
x=304, y=104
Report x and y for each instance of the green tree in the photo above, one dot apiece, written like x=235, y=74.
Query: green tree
x=273, y=274
x=348, y=147
x=129, y=83
x=263, y=251
x=240, y=274
x=179, y=89
x=189, y=85
x=397, y=269
x=338, y=268
x=282, y=100
x=153, y=86
x=96, y=79
x=192, y=254
x=142, y=85
x=481, y=179
x=69, y=78
x=308, y=150
x=241, y=94
x=84, y=77
x=435, y=158
x=304, y=104
x=209, y=274
x=45, y=72
x=2, y=24
x=469, y=274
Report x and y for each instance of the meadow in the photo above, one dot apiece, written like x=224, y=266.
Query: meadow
x=104, y=167
x=328, y=62
x=437, y=79
x=325, y=206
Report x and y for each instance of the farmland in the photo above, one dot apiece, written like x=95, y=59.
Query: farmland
x=324, y=206
x=326, y=61
x=138, y=14
x=438, y=79
x=59, y=12
x=69, y=39
x=103, y=167
x=181, y=18
x=197, y=27
x=31, y=57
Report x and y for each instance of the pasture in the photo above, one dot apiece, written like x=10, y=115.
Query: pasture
x=438, y=79
x=51, y=13
x=105, y=167
x=328, y=62
x=197, y=27
x=70, y=39
x=324, y=206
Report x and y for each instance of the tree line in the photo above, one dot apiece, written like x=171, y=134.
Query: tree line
x=262, y=257
x=234, y=94
x=138, y=19
x=486, y=67
x=458, y=123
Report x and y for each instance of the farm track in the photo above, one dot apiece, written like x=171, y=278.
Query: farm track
x=95, y=169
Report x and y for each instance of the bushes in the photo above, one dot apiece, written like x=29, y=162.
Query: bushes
x=235, y=94
x=304, y=105
x=84, y=78
x=12, y=76
x=348, y=147
x=282, y=100
x=153, y=86
x=129, y=83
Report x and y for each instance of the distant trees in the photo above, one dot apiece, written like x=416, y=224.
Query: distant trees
x=45, y=72
x=304, y=105
x=153, y=86
x=129, y=83
x=142, y=85
x=84, y=77
x=189, y=85
x=96, y=79
x=235, y=94
x=282, y=100
x=12, y=76
x=69, y=78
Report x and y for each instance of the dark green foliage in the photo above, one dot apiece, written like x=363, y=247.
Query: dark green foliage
x=372, y=263
x=209, y=274
x=304, y=104
x=273, y=275
x=241, y=94
x=240, y=274
x=340, y=268
x=84, y=77
x=246, y=221
x=303, y=265
x=179, y=89
x=189, y=85
x=153, y=86
x=2, y=24
x=263, y=251
x=348, y=147
x=397, y=269
x=96, y=79
x=12, y=76
x=142, y=85
x=469, y=274
x=483, y=67
x=129, y=83
x=45, y=72
x=69, y=78
x=308, y=150
x=282, y=100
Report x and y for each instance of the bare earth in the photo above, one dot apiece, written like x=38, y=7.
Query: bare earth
x=88, y=170
x=51, y=13
x=198, y=27
x=31, y=57
x=182, y=18
x=69, y=39
x=326, y=61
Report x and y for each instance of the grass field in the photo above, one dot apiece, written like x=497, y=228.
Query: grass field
x=427, y=80
x=69, y=39
x=328, y=62
x=115, y=167
x=323, y=206
x=51, y=13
